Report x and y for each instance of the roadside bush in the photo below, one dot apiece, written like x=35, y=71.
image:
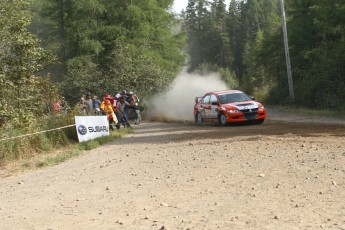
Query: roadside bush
x=36, y=143
x=43, y=142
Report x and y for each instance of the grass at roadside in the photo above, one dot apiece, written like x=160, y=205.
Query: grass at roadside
x=310, y=112
x=55, y=157
x=76, y=149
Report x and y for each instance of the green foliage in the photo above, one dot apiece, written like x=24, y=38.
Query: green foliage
x=231, y=39
x=220, y=43
x=21, y=59
x=76, y=149
x=316, y=31
x=101, y=46
x=38, y=142
x=58, y=159
x=316, y=38
x=197, y=24
x=89, y=145
x=253, y=47
x=41, y=143
x=106, y=46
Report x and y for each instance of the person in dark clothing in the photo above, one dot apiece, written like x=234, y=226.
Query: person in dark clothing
x=122, y=103
x=133, y=101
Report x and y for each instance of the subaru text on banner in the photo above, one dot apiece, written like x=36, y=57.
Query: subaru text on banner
x=91, y=127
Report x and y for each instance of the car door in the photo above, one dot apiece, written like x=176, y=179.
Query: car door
x=213, y=111
x=205, y=106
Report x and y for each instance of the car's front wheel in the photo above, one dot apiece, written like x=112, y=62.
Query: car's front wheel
x=198, y=118
x=222, y=119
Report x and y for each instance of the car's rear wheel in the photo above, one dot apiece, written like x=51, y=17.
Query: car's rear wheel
x=198, y=118
x=260, y=121
x=222, y=119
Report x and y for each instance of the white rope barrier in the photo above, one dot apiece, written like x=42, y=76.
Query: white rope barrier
x=31, y=134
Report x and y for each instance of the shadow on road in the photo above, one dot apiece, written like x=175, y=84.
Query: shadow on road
x=157, y=132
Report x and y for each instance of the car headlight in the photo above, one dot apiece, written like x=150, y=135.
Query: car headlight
x=262, y=107
x=233, y=111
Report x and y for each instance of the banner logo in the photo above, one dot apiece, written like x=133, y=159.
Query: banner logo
x=82, y=130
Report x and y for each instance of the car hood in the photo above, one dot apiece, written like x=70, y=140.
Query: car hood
x=242, y=105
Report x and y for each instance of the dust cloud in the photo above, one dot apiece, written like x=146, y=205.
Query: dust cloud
x=178, y=102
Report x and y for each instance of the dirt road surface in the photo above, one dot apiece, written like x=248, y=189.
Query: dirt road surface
x=288, y=173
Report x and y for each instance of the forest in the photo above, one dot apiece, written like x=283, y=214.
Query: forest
x=50, y=48
x=246, y=38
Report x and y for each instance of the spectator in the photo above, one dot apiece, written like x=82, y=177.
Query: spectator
x=122, y=103
x=56, y=106
x=63, y=105
x=82, y=105
x=133, y=104
x=96, y=105
x=125, y=96
x=108, y=110
x=115, y=106
x=89, y=106
x=105, y=97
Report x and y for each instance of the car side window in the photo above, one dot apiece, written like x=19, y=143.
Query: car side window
x=206, y=100
x=213, y=99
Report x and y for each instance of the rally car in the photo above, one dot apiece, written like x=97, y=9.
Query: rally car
x=228, y=106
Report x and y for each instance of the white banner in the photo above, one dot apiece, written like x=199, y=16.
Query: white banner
x=91, y=127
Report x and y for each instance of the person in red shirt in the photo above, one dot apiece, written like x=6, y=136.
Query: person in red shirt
x=56, y=106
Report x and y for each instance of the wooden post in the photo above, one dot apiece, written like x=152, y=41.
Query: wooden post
x=287, y=55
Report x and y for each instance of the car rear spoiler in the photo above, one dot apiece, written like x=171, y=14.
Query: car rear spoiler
x=197, y=99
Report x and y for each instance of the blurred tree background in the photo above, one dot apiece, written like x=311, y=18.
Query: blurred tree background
x=72, y=48
x=247, y=39
x=110, y=45
x=24, y=95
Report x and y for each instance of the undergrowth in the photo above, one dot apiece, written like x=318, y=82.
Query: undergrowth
x=45, y=148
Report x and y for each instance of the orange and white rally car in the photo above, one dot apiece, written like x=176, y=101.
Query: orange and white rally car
x=228, y=106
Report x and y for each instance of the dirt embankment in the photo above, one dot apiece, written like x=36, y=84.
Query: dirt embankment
x=284, y=174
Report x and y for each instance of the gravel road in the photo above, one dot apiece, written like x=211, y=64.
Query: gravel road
x=287, y=173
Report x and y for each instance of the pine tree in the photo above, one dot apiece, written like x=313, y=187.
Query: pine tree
x=317, y=32
x=96, y=32
x=220, y=43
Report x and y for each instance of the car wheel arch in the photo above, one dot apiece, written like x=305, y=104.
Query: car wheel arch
x=198, y=118
x=222, y=118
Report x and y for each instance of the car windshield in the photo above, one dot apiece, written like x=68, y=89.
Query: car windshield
x=233, y=97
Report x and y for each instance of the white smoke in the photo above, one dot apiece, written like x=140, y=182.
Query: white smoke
x=178, y=102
